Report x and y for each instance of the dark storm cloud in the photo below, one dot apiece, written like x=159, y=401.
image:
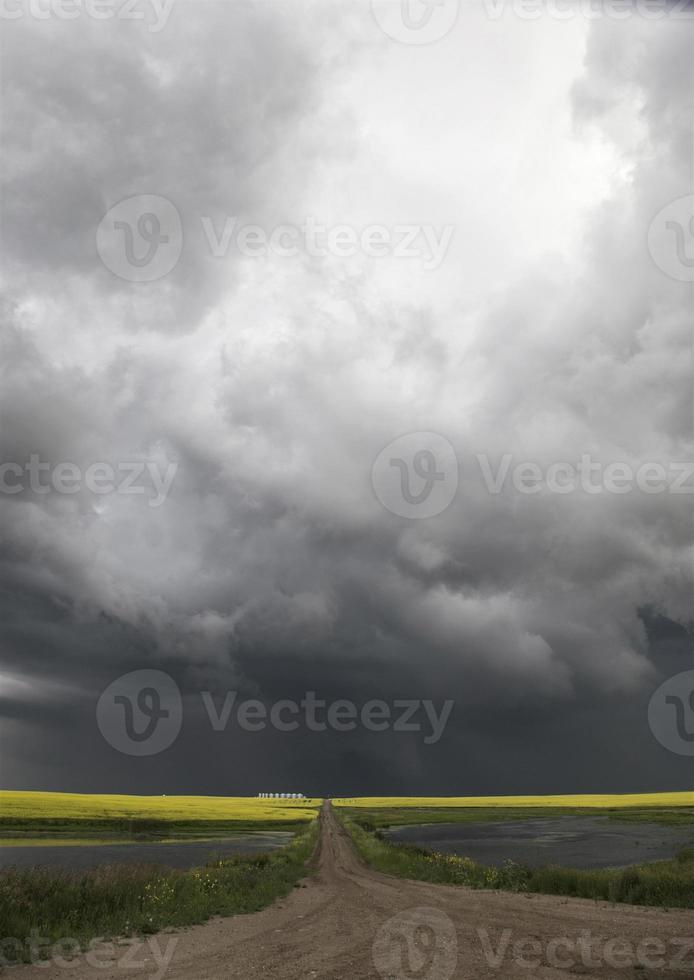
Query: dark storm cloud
x=271, y=569
x=96, y=111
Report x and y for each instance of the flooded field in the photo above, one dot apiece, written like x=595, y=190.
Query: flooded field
x=578, y=842
x=174, y=854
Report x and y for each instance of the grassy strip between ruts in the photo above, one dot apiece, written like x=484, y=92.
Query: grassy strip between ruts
x=668, y=884
x=126, y=900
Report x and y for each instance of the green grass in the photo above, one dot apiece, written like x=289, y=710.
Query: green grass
x=678, y=817
x=137, y=829
x=668, y=884
x=377, y=818
x=126, y=900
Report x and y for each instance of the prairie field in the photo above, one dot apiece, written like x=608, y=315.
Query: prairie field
x=141, y=897
x=86, y=815
x=376, y=812
x=603, y=801
x=667, y=883
x=86, y=806
x=138, y=899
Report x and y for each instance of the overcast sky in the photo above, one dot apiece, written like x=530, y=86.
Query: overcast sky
x=534, y=318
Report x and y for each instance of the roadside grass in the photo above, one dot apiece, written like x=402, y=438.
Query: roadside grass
x=127, y=900
x=667, y=884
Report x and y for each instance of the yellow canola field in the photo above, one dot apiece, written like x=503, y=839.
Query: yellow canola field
x=87, y=806
x=580, y=800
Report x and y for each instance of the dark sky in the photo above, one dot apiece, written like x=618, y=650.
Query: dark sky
x=329, y=422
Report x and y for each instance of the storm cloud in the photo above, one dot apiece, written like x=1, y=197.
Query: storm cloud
x=273, y=382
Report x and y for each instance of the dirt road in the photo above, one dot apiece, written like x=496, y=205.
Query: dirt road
x=347, y=922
